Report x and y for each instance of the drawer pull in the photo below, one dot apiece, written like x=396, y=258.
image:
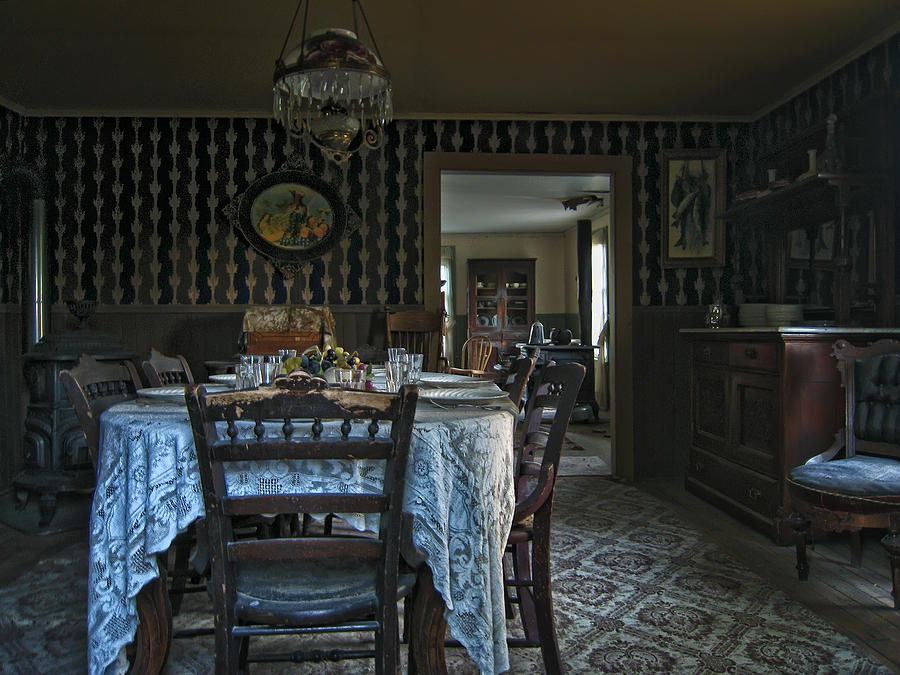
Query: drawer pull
x=698, y=467
x=754, y=493
x=750, y=353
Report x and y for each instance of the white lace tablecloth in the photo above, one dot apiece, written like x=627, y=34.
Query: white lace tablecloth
x=458, y=489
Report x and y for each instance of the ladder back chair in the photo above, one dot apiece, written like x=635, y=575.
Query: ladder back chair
x=93, y=386
x=475, y=356
x=861, y=488
x=162, y=370
x=529, y=540
x=305, y=585
x=517, y=379
x=419, y=332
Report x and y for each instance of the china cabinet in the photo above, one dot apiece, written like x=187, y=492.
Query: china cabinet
x=501, y=301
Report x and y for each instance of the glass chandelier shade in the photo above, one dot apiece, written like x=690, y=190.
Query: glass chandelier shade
x=336, y=90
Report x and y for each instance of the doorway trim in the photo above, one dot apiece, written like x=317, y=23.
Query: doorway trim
x=619, y=169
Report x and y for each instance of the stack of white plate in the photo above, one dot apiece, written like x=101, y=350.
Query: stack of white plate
x=784, y=315
x=752, y=314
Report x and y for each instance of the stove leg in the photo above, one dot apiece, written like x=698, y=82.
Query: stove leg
x=47, y=508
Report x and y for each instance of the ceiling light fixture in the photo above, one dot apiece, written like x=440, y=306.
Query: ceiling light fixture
x=332, y=89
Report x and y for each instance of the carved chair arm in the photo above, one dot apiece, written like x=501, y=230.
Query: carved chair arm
x=833, y=449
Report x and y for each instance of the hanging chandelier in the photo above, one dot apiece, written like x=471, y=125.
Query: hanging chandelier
x=332, y=89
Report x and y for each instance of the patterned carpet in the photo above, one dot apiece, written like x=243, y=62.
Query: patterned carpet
x=636, y=591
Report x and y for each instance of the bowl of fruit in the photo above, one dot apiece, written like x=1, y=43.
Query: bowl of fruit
x=323, y=364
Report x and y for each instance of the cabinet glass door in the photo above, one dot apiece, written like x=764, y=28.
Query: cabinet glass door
x=516, y=288
x=487, y=304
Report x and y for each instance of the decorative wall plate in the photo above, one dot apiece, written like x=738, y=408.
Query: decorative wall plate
x=290, y=216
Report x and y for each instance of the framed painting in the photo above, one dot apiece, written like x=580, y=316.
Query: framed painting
x=691, y=203
x=290, y=216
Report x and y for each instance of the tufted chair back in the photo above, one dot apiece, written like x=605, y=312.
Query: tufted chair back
x=871, y=376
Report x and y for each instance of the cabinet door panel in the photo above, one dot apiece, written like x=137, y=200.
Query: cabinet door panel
x=710, y=409
x=756, y=424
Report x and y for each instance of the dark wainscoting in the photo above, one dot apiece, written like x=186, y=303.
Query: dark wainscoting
x=661, y=389
x=13, y=394
x=199, y=332
x=211, y=332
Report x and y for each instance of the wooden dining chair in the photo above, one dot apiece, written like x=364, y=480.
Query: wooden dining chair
x=93, y=386
x=475, y=356
x=517, y=379
x=163, y=371
x=303, y=585
x=419, y=332
x=529, y=540
x=855, y=483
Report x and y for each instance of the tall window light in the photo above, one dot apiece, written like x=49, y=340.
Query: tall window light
x=448, y=260
x=600, y=311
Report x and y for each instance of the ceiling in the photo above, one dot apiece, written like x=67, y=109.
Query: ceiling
x=647, y=58
x=521, y=203
x=569, y=59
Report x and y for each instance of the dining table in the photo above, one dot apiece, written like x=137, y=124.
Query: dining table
x=459, y=501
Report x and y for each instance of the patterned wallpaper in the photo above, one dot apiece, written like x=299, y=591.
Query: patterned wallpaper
x=135, y=205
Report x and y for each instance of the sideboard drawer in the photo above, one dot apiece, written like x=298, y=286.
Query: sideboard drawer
x=750, y=488
x=758, y=355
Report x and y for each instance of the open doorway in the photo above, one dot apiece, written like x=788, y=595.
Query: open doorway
x=618, y=169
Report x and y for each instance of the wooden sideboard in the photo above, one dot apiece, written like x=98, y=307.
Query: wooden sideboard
x=762, y=401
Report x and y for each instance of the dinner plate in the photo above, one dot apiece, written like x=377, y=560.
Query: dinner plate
x=224, y=378
x=451, y=380
x=175, y=394
x=462, y=395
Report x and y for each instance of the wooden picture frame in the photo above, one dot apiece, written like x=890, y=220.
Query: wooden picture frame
x=692, y=201
x=290, y=216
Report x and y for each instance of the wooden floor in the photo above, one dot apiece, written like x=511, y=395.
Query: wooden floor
x=856, y=601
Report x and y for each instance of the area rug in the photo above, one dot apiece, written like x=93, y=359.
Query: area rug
x=636, y=591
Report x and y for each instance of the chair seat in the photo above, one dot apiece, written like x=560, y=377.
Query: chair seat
x=861, y=476
x=309, y=592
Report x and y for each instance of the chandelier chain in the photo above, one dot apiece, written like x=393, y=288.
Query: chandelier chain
x=362, y=10
x=291, y=30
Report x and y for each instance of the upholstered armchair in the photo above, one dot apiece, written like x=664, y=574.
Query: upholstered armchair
x=855, y=483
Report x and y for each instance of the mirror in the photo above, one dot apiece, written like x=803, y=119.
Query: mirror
x=812, y=268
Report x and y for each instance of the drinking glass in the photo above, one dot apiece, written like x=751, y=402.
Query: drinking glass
x=395, y=373
x=248, y=372
x=269, y=369
x=396, y=353
x=285, y=354
x=416, y=361
x=344, y=377
x=358, y=378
